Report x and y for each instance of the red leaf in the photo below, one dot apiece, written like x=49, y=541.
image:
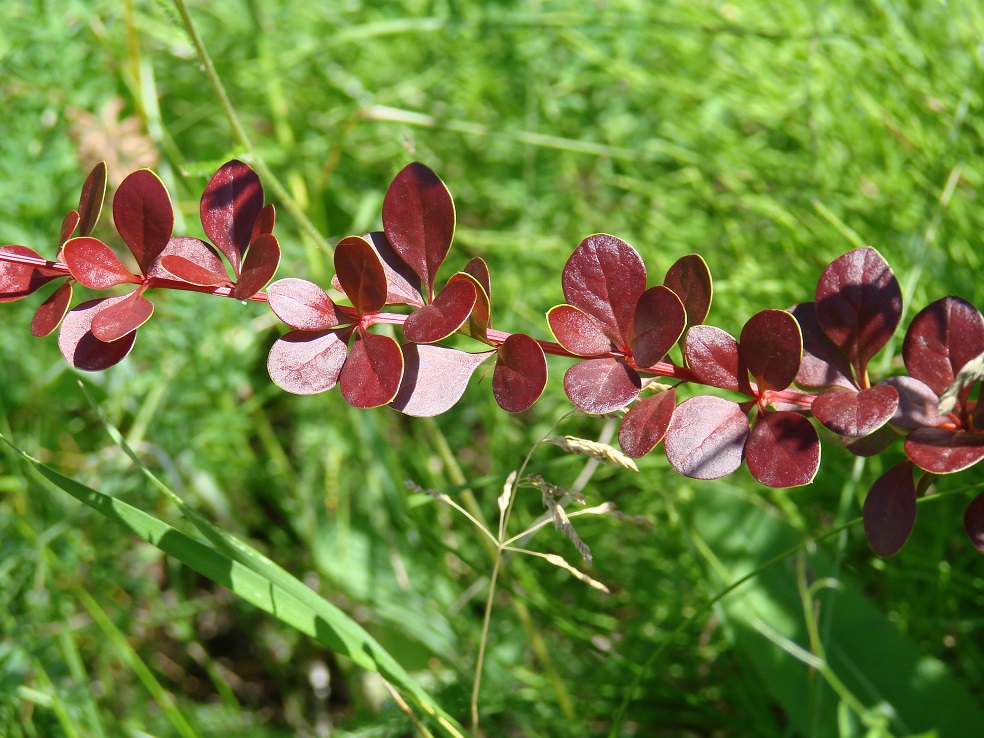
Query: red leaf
x=259, y=266
x=306, y=363
x=52, y=310
x=859, y=304
x=193, y=261
x=974, y=522
x=477, y=268
x=783, y=450
x=578, y=332
x=402, y=285
x=712, y=356
x=230, y=204
x=113, y=322
x=601, y=385
x=690, y=279
x=853, y=413
x=434, y=378
x=418, y=219
x=69, y=223
x=520, y=373
x=771, y=347
x=143, y=216
x=480, y=318
x=823, y=364
x=361, y=275
x=95, y=265
x=917, y=404
x=83, y=350
x=604, y=277
x=889, y=511
x=444, y=316
x=706, y=438
x=943, y=451
x=658, y=325
x=264, y=222
x=644, y=426
x=20, y=280
x=873, y=443
x=302, y=305
x=941, y=339
x=373, y=371
x=91, y=200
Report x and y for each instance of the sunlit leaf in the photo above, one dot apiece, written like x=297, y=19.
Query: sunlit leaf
x=265, y=221
x=706, y=438
x=646, y=423
x=373, y=371
x=783, y=450
x=20, y=280
x=601, y=385
x=712, y=355
x=69, y=223
x=434, y=378
x=917, y=404
x=823, y=364
x=578, y=332
x=658, y=325
x=480, y=318
x=91, y=199
x=446, y=314
x=690, y=279
x=941, y=339
x=306, y=363
x=50, y=313
x=520, y=373
x=402, y=284
x=120, y=319
x=854, y=413
x=144, y=217
x=259, y=266
x=83, y=350
x=193, y=261
x=95, y=265
x=889, y=511
x=943, y=451
x=360, y=274
x=771, y=347
x=302, y=305
x=229, y=207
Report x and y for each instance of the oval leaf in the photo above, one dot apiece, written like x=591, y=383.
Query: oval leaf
x=941, y=339
x=823, y=364
x=712, y=355
x=193, y=261
x=943, y=451
x=113, y=322
x=771, y=347
x=373, y=371
x=305, y=363
x=83, y=350
x=229, y=207
x=520, y=373
x=974, y=522
x=402, y=285
x=259, y=266
x=434, y=378
x=850, y=413
x=889, y=511
x=659, y=322
x=144, y=217
x=783, y=450
x=444, y=316
x=95, y=265
x=265, y=220
x=19, y=280
x=50, y=313
x=302, y=305
x=361, y=275
x=480, y=318
x=917, y=404
x=645, y=425
x=706, y=438
x=578, y=332
x=69, y=223
x=690, y=279
x=601, y=385
x=91, y=199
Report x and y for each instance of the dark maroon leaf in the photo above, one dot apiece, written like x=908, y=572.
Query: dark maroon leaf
x=361, y=275
x=52, y=310
x=91, y=199
x=402, y=285
x=889, y=511
x=20, y=280
x=712, y=355
x=771, y=347
x=434, y=378
x=974, y=522
x=848, y=412
x=578, y=332
x=644, y=426
x=783, y=450
x=143, y=216
x=659, y=323
x=859, y=304
x=604, y=277
x=69, y=223
x=264, y=222
x=520, y=373
x=113, y=322
x=690, y=279
x=302, y=305
x=259, y=266
x=823, y=364
x=83, y=350
x=306, y=363
x=917, y=404
x=943, y=451
x=418, y=219
x=941, y=339
x=601, y=385
x=230, y=204
x=446, y=314
x=95, y=265
x=477, y=268
x=373, y=371
x=477, y=325
x=871, y=444
x=706, y=438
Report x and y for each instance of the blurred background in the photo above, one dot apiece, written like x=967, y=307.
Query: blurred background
x=768, y=137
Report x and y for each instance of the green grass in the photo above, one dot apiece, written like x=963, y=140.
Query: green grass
x=768, y=137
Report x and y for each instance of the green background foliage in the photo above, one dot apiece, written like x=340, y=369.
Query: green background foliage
x=768, y=137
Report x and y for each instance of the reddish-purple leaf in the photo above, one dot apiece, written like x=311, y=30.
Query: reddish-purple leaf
x=361, y=275
x=303, y=305
x=783, y=450
x=480, y=318
x=712, y=355
x=202, y=271
x=771, y=347
x=373, y=371
x=477, y=268
x=917, y=404
x=859, y=304
x=659, y=322
x=69, y=223
x=95, y=265
x=306, y=363
x=259, y=266
x=604, y=277
x=402, y=285
x=644, y=426
x=974, y=522
x=264, y=222
x=434, y=378
x=690, y=279
x=706, y=438
x=92, y=198
x=418, y=219
x=52, y=310
x=230, y=204
x=578, y=332
x=941, y=339
x=20, y=280
x=889, y=511
x=446, y=314
x=873, y=443
x=83, y=350
x=520, y=373
x=601, y=385
x=823, y=364
x=943, y=451
x=853, y=413
x=144, y=217
x=113, y=322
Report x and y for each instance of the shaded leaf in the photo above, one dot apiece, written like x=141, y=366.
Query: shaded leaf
x=477, y=268
x=480, y=318
x=50, y=313
x=434, y=378
x=69, y=223
x=646, y=423
x=306, y=363
x=889, y=511
x=823, y=364
x=970, y=374
x=783, y=450
x=578, y=332
x=974, y=522
x=520, y=373
x=91, y=199
x=943, y=451
x=917, y=404
x=941, y=339
x=264, y=223
x=360, y=274
x=658, y=324
x=113, y=322
x=402, y=285
x=95, y=265
x=302, y=305
x=193, y=261
x=706, y=438
x=871, y=444
x=446, y=314
x=690, y=279
x=259, y=266
x=601, y=385
x=83, y=350
x=144, y=217
x=20, y=280
x=373, y=371
x=853, y=413
x=712, y=355
x=230, y=204
x=771, y=346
